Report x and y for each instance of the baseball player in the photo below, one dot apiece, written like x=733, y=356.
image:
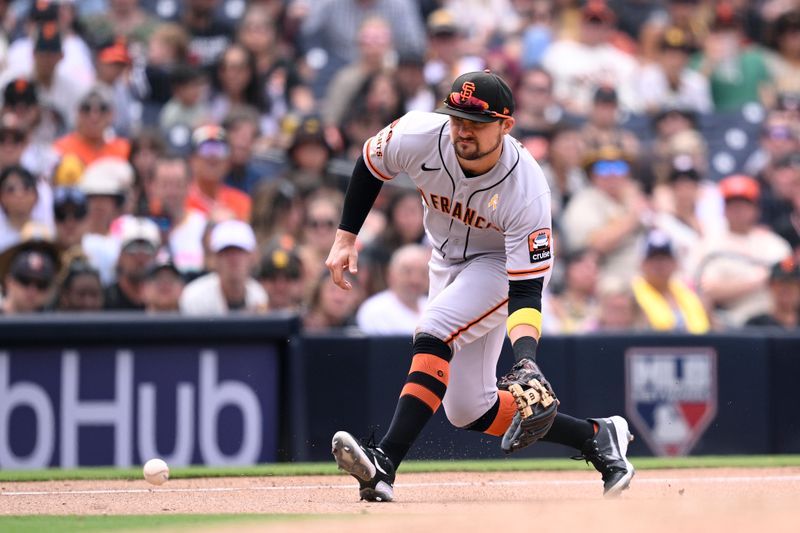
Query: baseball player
x=487, y=215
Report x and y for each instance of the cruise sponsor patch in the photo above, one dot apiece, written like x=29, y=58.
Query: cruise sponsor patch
x=539, y=244
x=671, y=395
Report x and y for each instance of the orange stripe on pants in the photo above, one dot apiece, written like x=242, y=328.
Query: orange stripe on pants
x=422, y=394
x=504, y=414
x=431, y=365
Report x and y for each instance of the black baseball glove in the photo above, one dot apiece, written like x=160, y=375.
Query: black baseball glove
x=536, y=405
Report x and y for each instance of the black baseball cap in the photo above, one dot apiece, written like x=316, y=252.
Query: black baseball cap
x=658, y=243
x=20, y=91
x=479, y=96
x=48, y=39
x=788, y=270
x=605, y=94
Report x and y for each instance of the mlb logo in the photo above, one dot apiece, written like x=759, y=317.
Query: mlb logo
x=671, y=395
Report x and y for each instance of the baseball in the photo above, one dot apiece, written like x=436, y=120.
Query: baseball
x=156, y=471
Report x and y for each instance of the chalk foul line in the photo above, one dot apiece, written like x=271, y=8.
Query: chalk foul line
x=442, y=484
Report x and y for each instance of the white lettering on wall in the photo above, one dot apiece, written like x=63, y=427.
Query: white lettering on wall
x=116, y=413
x=24, y=394
x=213, y=397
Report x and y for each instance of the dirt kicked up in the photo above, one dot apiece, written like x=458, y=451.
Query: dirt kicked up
x=702, y=500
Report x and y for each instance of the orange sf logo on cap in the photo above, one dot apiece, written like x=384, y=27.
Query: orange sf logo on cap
x=467, y=89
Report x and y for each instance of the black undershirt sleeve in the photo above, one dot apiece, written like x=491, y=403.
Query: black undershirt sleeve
x=361, y=193
x=525, y=293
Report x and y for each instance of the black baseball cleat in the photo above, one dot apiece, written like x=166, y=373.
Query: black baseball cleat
x=607, y=452
x=368, y=464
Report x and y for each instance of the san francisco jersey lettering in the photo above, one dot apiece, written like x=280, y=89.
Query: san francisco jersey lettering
x=505, y=210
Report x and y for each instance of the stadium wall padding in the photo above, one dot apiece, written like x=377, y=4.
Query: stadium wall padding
x=114, y=389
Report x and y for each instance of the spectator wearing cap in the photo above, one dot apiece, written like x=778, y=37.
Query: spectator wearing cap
x=186, y=107
x=609, y=215
x=54, y=55
x=181, y=227
x=676, y=205
x=396, y=310
x=21, y=203
x=210, y=163
x=783, y=61
x=579, y=67
x=689, y=16
x=602, y=129
x=139, y=241
x=70, y=209
x=784, y=289
x=780, y=137
x=27, y=130
x=409, y=75
x=669, y=81
x=230, y=287
x=91, y=140
x=113, y=64
x=106, y=185
x=281, y=275
x=309, y=156
x=734, y=265
x=374, y=53
x=163, y=285
x=448, y=54
x=667, y=302
x=737, y=72
x=28, y=271
x=81, y=289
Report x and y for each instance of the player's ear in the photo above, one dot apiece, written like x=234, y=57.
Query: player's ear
x=507, y=124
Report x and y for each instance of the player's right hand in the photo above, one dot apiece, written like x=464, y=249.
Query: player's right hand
x=343, y=255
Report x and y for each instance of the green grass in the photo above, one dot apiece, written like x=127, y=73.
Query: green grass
x=69, y=524
x=329, y=468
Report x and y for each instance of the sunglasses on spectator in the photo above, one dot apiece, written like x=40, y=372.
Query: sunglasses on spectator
x=472, y=104
x=68, y=195
x=12, y=137
x=213, y=150
x=13, y=188
x=607, y=169
x=30, y=282
x=780, y=133
x=64, y=212
x=88, y=108
x=321, y=223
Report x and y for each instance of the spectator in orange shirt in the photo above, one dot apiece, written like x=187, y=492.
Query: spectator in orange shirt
x=90, y=140
x=210, y=163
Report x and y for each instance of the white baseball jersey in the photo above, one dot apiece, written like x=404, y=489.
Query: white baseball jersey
x=505, y=210
x=485, y=230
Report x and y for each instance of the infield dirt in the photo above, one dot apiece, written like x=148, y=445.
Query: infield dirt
x=670, y=501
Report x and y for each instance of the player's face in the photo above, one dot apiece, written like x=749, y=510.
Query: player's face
x=475, y=140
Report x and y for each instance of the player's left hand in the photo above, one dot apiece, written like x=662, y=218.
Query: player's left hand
x=537, y=405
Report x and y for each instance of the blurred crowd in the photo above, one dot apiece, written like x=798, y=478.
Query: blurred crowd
x=191, y=156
